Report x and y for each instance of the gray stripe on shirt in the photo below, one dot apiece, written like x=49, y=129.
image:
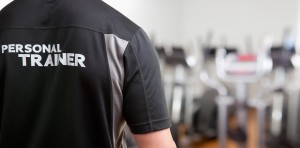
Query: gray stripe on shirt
x=115, y=48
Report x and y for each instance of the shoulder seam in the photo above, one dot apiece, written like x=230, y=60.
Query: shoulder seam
x=130, y=41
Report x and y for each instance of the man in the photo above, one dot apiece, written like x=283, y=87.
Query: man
x=72, y=72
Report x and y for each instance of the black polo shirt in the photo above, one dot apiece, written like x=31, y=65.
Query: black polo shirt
x=72, y=72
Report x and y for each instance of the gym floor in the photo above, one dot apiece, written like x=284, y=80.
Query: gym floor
x=231, y=144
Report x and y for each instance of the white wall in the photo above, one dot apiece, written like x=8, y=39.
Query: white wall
x=184, y=21
x=161, y=17
x=4, y=3
x=298, y=29
x=237, y=19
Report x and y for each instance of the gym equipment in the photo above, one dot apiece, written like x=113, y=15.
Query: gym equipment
x=277, y=100
x=261, y=103
x=179, y=93
x=215, y=101
x=210, y=110
x=206, y=114
x=292, y=124
x=240, y=70
x=284, y=103
x=293, y=127
x=223, y=101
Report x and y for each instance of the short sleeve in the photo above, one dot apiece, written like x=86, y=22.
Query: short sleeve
x=144, y=104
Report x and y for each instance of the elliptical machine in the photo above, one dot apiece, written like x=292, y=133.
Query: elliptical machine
x=285, y=106
x=240, y=69
x=209, y=109
x=206, y=110
x=223, y=100
x=293, y=130
x=179, y=93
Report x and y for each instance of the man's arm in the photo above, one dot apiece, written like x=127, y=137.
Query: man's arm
x=158, y=139
x=144, y=105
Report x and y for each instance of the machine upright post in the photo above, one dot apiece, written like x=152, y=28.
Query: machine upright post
x=241, y=111
x=223, y=103
x=261, y=117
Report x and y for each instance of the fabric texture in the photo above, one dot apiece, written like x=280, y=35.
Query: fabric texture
x=72, y=72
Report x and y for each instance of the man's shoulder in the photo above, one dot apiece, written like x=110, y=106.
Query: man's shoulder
x=103, y=18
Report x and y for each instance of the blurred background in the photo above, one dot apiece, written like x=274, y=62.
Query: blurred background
x=230, y=69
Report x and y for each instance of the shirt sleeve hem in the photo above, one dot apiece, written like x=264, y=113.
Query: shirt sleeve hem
x=150, y=127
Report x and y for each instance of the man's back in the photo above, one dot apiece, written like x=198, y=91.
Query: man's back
x=70, y=72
